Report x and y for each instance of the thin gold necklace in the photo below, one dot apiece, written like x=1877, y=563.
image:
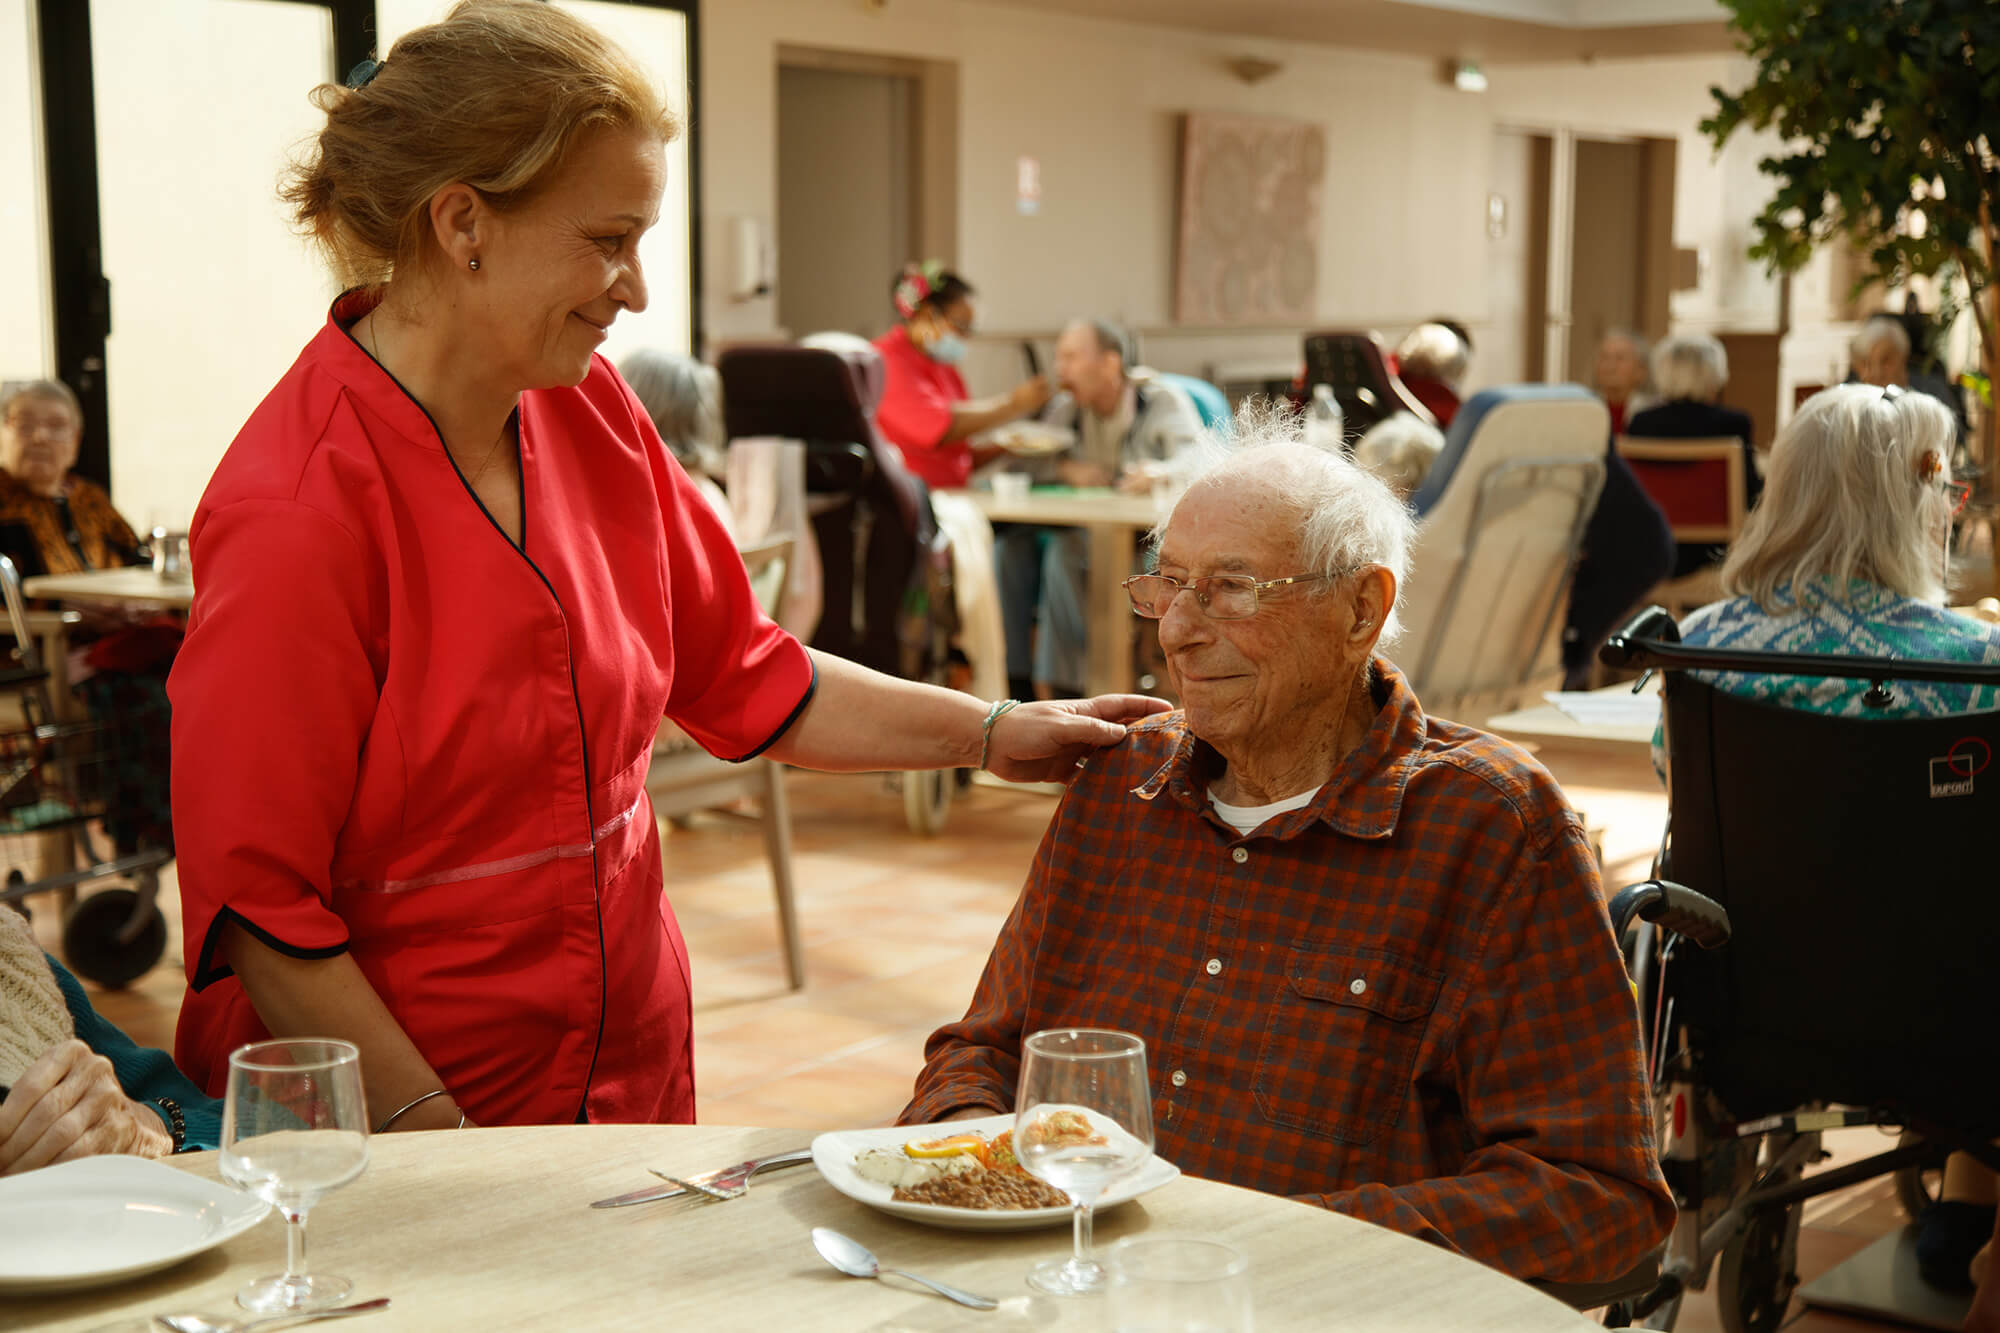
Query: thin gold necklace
x=375, y=350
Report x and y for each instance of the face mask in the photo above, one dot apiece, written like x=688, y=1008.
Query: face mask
x=947, y=349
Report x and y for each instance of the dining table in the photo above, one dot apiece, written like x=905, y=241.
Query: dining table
x=135, y=583
x=1114, y=522
x=492, y=1229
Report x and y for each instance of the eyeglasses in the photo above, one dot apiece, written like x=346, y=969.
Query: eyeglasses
x=1220, y=596
x=29, y=423
x=1957, y=492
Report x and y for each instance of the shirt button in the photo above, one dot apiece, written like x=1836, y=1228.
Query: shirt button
x=1180, y=1078
x=1239, y=856
x=1214, y=966
x=1356, y=986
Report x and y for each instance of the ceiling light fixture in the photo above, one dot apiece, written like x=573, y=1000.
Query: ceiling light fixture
x=1253, y=69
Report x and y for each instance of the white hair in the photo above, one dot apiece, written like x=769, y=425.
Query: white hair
x=1433, y=351
x=1854, y=491
x=684, y=399
x=1400, y=450
x=1347, y=518
x=1877, y=331
x=1689, y=366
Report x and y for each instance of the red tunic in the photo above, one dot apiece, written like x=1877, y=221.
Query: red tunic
x=915, y=412
x=396, y=734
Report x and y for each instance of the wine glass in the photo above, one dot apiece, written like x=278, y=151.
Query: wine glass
x=1083, y=1118
x=294, y=1125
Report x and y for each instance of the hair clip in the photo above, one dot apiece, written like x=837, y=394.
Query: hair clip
x=364, y=73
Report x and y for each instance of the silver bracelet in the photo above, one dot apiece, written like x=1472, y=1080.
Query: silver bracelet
x=1000, y=709
x=410, y=1105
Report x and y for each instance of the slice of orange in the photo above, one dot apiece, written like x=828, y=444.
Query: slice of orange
x=951, y=1146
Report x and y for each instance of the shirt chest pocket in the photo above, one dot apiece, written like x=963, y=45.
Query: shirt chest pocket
x=1341, y=1043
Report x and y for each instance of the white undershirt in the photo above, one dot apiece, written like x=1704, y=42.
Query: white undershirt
x=1246, y=818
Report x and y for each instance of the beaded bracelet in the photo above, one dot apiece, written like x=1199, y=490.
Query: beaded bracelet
x=177, y=1125
x=1000, y=709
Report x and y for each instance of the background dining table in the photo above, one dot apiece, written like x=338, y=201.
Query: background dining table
x=1114, y=522
x=492, y=1229
x=137, y=583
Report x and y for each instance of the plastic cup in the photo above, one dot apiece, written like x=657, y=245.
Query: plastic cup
x=1177, y=1284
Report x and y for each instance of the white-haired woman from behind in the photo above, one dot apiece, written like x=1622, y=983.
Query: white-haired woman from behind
x=1400, y=450
x=1689, y=375
x=1848, y=554
x=684, y=399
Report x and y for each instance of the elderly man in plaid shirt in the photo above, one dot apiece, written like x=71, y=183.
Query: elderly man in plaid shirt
x=1366, y=948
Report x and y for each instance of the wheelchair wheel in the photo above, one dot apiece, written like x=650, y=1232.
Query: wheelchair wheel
x=1759, y=1271
x=927, y=800
x=103, y=943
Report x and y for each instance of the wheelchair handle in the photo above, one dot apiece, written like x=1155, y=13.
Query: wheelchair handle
x=1651, y=642
x=1673, y=907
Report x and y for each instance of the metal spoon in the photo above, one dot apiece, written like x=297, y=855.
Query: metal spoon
x=851, y=1257
x=201, y=1323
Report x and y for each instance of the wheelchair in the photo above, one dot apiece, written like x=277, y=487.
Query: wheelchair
x=1839, y=976
x=889, y=602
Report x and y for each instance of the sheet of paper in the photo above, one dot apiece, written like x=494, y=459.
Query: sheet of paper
x=1607, y=708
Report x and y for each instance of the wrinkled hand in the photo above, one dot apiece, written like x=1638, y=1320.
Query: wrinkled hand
x=69, y=1105
x=1984, y=1317
x=1031, y=395
x=1044, y=741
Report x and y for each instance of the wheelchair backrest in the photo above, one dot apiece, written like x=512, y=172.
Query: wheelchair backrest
x=1852, y=854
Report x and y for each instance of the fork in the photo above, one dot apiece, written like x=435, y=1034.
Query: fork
x=721, y=1192
x=729, y=1182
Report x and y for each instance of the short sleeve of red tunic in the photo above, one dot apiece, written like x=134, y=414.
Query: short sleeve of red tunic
x=915, y=411
x=323, y=677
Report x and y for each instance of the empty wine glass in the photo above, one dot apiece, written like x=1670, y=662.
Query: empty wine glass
x=1083, y=1118
x=294, y=1125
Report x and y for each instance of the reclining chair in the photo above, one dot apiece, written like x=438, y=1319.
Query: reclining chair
x=1856, y=985
x=1502, y=513
x=885, y=565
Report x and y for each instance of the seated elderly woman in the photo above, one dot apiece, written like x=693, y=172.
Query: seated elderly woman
x=1400, y=450
x=1619, y=376
x=1432, y=360
x=1849, y=554
x=71, y=1084
x=1365, y=946
x=53, y=521
x=684, y=399
x=1689, y=375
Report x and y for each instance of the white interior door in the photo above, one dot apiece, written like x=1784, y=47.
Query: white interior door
x=212, y=292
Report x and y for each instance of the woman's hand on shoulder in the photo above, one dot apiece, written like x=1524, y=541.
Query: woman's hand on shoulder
x=1046, y=740
x=69, y=1105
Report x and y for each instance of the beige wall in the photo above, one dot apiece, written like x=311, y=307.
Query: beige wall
x=1403, y=234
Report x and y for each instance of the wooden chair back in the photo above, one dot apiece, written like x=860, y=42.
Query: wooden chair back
x=1699, y=484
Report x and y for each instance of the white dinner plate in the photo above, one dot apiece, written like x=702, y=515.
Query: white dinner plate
x=105, y=1219
x=834, y=1155
x=1033, y=438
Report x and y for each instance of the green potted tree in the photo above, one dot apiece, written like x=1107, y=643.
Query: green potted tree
x=1889, y=116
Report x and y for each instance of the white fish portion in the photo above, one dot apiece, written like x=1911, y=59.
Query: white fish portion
x=897, y=1169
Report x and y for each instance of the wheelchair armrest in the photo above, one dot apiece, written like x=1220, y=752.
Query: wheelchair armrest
x=1591, y=1295
x=1674, y=907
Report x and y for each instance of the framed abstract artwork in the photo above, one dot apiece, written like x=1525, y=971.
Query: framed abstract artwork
x=1249, y=230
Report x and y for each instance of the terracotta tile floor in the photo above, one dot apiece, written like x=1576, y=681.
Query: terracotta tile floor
x=896, y=931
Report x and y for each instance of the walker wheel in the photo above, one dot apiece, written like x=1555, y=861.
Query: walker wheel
x=98, y=945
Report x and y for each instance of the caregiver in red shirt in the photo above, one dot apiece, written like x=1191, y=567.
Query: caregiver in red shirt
x=451, y=581
x=925, y=410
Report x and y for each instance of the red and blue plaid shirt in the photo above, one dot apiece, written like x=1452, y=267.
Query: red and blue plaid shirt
x=1402, y=1001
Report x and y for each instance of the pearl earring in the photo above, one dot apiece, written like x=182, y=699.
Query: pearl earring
x=472, y=264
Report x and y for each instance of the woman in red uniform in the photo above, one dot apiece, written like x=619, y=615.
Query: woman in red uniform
x=450, y=582
x=926, y=411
